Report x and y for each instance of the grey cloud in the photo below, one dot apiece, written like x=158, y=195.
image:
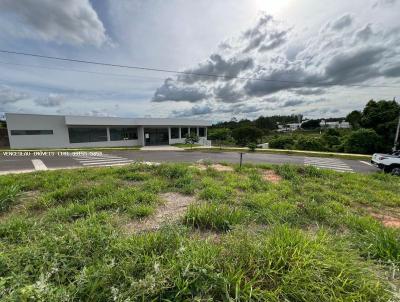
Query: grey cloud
x=292, y=103
x=170, y=91
x=9, y=95
x=227, y=93
x=195, y=110
x=342, y=22
x=355, y=66
x=217, y=65
x=52, y=100
x=392, y=72
x=309, y=91
x=381, y=3
x=281, y=78
x=266, y=35
x=70, y=21
x=365, y=33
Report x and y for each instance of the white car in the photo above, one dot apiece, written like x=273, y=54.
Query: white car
x=390, y=163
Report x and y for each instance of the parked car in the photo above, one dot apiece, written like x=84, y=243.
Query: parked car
x=390, y=163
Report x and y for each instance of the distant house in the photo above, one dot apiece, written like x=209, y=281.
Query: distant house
x=335, y=125
x=289, y=127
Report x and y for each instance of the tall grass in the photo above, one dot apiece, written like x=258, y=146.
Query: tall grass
x=8, y=196
x=306, y=238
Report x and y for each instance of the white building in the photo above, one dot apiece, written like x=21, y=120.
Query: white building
x=57, y=131
x=289, y=127
x=343, y=124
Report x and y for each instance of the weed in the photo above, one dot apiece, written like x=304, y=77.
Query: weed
x=214, y=217
x=8, y=196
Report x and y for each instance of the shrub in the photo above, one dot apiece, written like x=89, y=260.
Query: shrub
x=282, y=142
x=310, y=144
x=252, y=147
x=362, y=141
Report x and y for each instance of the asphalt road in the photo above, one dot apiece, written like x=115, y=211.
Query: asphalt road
x=28, y=162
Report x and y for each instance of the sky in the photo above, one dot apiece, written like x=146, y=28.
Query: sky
x=315, y=58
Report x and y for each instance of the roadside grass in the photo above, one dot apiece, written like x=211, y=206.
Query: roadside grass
x=307, y=237
x=365, y=157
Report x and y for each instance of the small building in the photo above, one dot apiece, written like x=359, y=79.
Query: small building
x=289, y=127
x=334, y=125
x=59, y=131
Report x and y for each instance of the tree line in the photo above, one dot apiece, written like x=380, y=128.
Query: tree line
x=373, y=130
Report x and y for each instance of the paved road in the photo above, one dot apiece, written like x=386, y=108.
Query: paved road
x=110, y=158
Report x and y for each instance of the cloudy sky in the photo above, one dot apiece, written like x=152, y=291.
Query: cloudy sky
x=310, y=57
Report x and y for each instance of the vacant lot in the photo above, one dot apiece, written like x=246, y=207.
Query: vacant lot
x=180, y=232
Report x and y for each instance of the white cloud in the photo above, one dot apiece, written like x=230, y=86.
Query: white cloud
x=68, y=21
x=52, y=100
x=10, y=95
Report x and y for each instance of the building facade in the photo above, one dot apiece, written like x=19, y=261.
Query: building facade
x=58, y=131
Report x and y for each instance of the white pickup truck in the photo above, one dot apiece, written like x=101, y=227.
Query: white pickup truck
x=390, y=163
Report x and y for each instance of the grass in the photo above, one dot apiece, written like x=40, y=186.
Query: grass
x=310, y=237
x=286, y=152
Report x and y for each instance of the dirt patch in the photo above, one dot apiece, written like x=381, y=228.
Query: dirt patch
x=387, y=220
x=388, y=216
x=22, y=203
x=218, y=167
x=210, y=236
x=271, y=176
x=174, y=208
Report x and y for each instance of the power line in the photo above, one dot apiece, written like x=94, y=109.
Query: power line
x=186, y=72
x=80, y=70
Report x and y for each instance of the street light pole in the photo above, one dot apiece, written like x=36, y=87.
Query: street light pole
x=396, y=137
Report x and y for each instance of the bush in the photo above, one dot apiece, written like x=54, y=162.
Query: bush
x=310, y=144
x=282, y=142
x=362, y=141
x=252, y=147
x=246, y=135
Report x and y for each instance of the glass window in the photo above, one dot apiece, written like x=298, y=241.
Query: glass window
x=87, y=135
x=202, y=132
x=193, y=131
x=31, y=132
x=120, y=134
x=184, y=132
x=174, y=132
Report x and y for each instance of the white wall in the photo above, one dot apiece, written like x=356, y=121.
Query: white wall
x=59, y=138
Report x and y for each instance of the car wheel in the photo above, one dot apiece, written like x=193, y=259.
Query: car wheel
x=396, y=171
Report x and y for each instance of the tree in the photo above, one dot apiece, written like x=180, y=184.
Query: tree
x=191, y=139
x=219, y=135
x=310, y=144
x=311, y=124
x=354, y=118
x=331, y=138
x=382, y=117
x=365, y=141
x=247, y=134
x=282, y=142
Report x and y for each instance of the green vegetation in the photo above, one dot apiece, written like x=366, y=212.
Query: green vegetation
x=191, y=139
x=312, y=236
x=373, y=130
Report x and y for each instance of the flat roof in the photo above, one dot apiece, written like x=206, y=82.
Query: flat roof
x=75, y=120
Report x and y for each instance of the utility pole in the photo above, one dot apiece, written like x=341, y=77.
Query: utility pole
x=396, y=137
